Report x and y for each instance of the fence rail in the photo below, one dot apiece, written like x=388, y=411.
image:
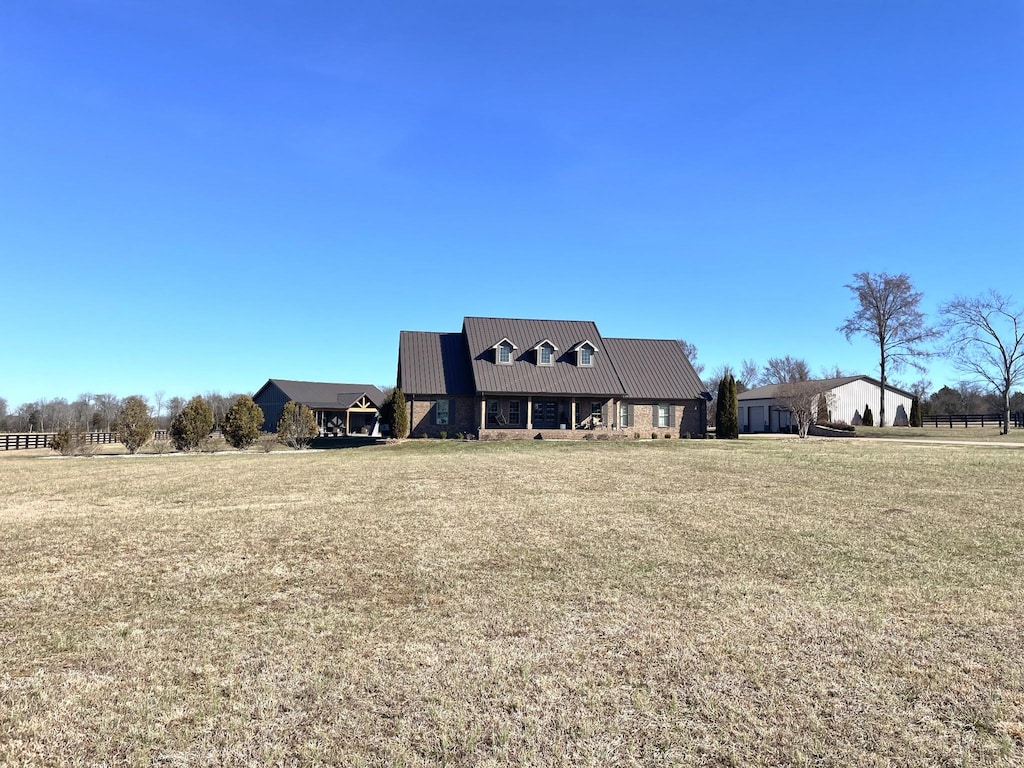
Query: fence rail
x=967, y=420
x=20, y=441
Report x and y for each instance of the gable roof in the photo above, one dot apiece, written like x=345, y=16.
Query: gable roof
x=434, y=364
x=322, y=394
x=654, y=369
x=564, y=377
x=771, y=391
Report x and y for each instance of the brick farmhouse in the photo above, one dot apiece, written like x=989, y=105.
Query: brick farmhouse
x=547, y=378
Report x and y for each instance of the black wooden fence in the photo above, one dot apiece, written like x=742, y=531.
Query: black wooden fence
x=972, y=420
x=15, y=441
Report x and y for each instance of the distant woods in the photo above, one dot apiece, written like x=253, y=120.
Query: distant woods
x=99, y=412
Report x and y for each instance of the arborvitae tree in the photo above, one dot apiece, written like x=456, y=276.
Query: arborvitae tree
x=242, y=423
x=867, y=420
x=727, y=417
x=915, y=413
x=192, y=425
x=297, y=426
x=133, y=426
x=395, y=414
x=720, y=404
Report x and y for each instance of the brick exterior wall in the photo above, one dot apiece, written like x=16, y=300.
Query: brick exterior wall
x=462, y=416
x=687, y=416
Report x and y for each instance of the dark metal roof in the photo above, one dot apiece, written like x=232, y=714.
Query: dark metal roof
x=434, y=363
x=524, y=375
x=321, y=394
x=654, y=369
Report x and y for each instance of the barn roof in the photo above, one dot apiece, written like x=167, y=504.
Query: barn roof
x=322, y=394
x=770, y=391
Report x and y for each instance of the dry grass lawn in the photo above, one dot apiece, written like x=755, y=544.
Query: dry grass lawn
x=604, y=604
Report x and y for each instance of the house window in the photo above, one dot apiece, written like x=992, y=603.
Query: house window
x=661, y=415
x=513, y=412
x=494, y=412
x=546, y=355
x=595, y=410
x=623, y=415
x=586, y=356
x=505, y=353
x=441, y=412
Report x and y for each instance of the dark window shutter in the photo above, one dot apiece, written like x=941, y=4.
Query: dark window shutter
x=655, y=410
x=671, y=415
x=433, y=414
x=629, y=415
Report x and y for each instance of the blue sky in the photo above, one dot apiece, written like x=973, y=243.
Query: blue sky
x=198, y=196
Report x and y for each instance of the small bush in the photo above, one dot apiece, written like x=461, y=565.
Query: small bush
x=603, y=436
x=459, y=436
x=266, y=441
x=133, y=426
x=686, y=435
x=68, y=442
x=654, y=435
x=868, y=419
x=636, y=435
x=213, y=444
x=588, y=436
x=443, y=434
x=242, y=423
x=297, y=426
x=163, y=445
x=192, y=425
x=668, y=437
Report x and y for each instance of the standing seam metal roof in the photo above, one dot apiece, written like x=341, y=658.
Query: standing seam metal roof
x=432, y=363
x=524, y=375
x=326, y=394
x=654, y=369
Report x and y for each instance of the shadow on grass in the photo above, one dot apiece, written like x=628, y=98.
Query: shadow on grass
x=345, y=442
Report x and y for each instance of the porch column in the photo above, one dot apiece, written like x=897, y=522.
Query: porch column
x=483, y=412
x=529, y=411
x=347, y=422
x=572, y=413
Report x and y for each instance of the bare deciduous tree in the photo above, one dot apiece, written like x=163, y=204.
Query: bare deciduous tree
x=888, y=313
x=985, y=339
x=749, y=377
x=107, y=407
x=795, y=391
x=690, y=350
x=783, y=370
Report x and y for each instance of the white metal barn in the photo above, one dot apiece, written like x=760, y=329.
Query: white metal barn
x=759, y=410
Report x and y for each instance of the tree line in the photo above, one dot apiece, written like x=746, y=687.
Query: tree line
x=97, y=412
x=983, y=337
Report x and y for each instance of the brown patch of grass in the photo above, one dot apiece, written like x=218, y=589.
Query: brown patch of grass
x=515, y=603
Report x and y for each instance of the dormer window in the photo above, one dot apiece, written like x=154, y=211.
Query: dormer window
x=585, y=354
x=504, y=352
x=545, y=352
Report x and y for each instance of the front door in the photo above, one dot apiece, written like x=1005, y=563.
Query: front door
x=545, y=414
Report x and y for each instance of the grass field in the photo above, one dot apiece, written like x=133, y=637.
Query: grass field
x=760, y=602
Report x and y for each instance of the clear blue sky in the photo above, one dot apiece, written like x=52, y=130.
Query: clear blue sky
x=201, y=195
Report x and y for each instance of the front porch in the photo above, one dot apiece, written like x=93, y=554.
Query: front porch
x=546, y=413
